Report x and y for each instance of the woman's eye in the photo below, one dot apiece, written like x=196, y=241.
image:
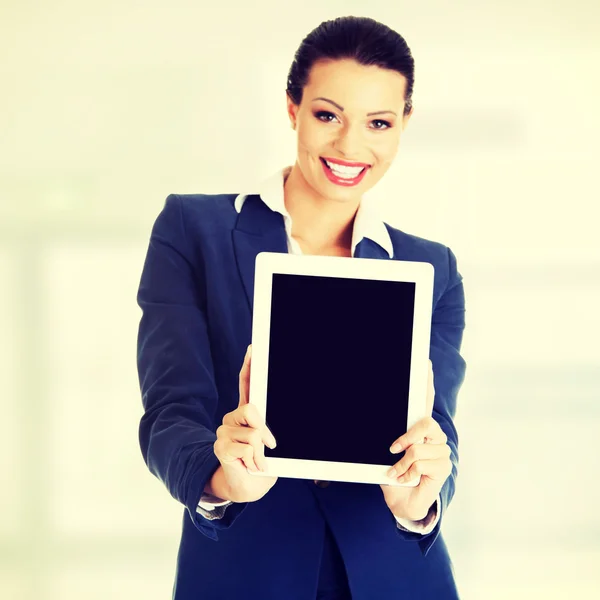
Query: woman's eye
x=386, y=124
x=323, y=113
x=327, y=117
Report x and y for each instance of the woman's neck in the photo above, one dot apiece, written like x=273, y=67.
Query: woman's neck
x=321, y=223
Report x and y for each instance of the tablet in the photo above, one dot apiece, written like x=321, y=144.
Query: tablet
x=340, y=359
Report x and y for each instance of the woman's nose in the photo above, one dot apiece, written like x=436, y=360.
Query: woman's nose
x=349, y=143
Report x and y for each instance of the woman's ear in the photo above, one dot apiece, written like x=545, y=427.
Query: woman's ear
x=292, y=110
x=406, y=117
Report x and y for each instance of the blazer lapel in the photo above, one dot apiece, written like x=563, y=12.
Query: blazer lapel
x=367, y=248
x=258, y=229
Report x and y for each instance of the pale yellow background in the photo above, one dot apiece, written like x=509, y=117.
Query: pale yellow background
x=107, y=107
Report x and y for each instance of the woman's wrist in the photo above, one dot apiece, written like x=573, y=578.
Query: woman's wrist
x=417, y=517
x=217, y=485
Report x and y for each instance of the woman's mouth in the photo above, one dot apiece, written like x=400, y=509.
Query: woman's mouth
x=341, y=174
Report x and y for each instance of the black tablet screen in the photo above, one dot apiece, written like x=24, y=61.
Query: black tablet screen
x=339, y=367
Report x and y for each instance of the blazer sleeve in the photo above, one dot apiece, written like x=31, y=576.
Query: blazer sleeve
x=449, y=367
x=175, y=369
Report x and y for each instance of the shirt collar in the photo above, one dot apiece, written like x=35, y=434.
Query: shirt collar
x=366, y=223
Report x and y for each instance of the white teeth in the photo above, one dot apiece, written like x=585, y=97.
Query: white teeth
x=344, y=171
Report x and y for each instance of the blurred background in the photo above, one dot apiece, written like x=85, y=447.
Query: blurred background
x=107, y=107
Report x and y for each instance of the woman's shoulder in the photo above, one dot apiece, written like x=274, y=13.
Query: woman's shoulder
x=412, y=247
x=204, y=211
x=424, y=247
x=216, y=203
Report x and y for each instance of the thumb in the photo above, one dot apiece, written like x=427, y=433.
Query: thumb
x=245, y=378
x=430, y=391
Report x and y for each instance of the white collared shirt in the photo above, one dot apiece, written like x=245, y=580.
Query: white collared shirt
x=366, y=225
x=366, y=222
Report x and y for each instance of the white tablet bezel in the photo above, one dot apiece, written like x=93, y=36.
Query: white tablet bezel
x=420, y=273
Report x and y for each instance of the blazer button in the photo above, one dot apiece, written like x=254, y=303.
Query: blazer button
x=322, y=484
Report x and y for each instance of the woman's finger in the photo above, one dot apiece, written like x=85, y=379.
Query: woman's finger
x=248, y=416
x=253, y=438
x=244, y=378
x=228, y=451
x=438, y=469
x=427, y=429
x=420, y=452
x=430, y=391
x=249, y=457
x=243, y=443
x=258, y=438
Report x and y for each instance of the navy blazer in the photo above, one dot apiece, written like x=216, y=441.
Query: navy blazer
x=196, y=294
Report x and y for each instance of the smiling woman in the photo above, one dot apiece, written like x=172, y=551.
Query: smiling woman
x=337, y=133
x=348, y=98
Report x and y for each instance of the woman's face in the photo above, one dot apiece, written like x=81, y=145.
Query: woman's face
x=335, y=122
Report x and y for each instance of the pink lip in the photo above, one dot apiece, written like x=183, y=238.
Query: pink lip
x=337, y=161
x=342, y=181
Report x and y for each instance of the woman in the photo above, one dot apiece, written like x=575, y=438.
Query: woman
x=348, y=98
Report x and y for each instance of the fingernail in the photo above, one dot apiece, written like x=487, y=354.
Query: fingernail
x=271, y=441
x=392, y=472
x=396, y=448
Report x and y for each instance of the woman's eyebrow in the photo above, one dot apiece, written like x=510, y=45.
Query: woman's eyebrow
x=341, y=108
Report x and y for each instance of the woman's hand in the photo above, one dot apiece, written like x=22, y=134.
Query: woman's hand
x=426, y=454
x=240, y=446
